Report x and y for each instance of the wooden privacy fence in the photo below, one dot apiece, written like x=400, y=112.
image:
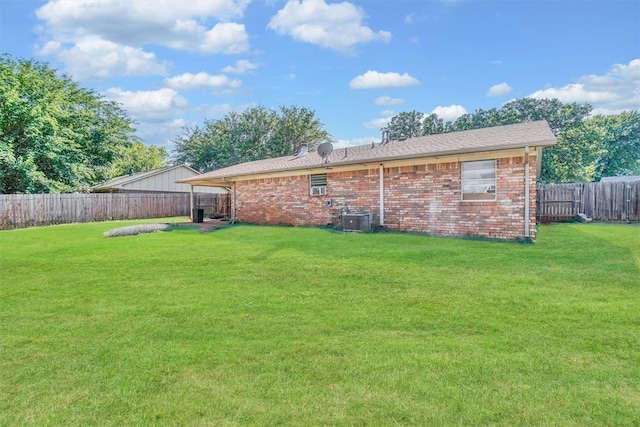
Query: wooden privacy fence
x=26, y=210
x=214, y=205
x=601, y=201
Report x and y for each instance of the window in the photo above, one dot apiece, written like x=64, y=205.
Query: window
x=318, y=184
x=479, y=180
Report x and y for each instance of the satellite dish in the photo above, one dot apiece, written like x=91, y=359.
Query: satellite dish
x=325, y=149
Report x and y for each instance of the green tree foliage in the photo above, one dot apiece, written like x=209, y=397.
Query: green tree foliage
x=572, y=159
x=406, y=125
x=139, y=158
x=618, y=150
x=54, y=135
x=295, y=126
x=588, y=148
x=597, y=147
x=569, y=159
x=432, y=125
x=559, y=115
x=257, y=133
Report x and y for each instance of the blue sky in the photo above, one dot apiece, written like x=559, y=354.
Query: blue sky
x=355, y=63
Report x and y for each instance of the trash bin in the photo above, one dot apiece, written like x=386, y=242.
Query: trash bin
x=198, y=215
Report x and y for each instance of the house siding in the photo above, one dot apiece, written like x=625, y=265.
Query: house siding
x=417, y=198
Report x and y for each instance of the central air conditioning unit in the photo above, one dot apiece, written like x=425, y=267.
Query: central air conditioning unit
x=356, y=222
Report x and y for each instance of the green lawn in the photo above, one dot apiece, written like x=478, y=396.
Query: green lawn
x=299, y=326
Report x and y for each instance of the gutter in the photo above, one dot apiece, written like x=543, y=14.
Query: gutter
x=527, y=196
x=381, y=195
x=364, y=161
x=234, y=206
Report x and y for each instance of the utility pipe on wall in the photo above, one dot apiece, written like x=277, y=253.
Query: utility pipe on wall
x=381, y=195
x=191, y=202
x=527, y=189
x=234, y=207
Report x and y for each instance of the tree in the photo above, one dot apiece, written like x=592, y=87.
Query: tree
x=433, y=125
x=618, y=144
x=572, y=159
x=479, y=119
x=139, y=158
x=563, y=162
x=406, y=125
x=598, y=147
x=257, y=133
x=54, y=135
x=559, y=115
x=196, y=147
x=295, y=126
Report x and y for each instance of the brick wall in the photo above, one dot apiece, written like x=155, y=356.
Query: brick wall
x=280, y=201
x=420, y=198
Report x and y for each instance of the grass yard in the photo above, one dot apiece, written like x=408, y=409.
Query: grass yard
x=299, y=326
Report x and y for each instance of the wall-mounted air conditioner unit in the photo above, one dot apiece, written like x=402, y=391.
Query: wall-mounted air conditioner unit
x=356, y=222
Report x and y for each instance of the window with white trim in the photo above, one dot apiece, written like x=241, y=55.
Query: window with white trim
x=318, y=184
x=479, y=180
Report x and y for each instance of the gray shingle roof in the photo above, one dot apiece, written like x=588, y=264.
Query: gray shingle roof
x=533, y=134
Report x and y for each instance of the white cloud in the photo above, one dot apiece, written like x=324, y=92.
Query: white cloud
x=499, y=89
x=377, y=124
x=449, y=113
x=615, y=91
x=374, y=79
x=177, y=123
x=93, y=57
x=126, y=28
x=243, y=66
x=387, y=100
x=214, y=111
x=149, y=106
x=63, y=13
x=575, y=92
x=225, y=37
x=139, y=22
x=160, y=133
x=354, y=142
x=337, y=26
x=188, y=81
x=51, y=47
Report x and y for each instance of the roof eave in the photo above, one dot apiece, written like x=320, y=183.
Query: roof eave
x=227, y=179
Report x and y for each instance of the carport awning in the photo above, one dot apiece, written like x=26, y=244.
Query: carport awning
x=206, y=182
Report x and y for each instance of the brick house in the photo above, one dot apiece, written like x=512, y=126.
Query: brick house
x=472, y=183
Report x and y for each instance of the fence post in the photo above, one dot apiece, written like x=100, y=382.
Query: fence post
x=627, y=203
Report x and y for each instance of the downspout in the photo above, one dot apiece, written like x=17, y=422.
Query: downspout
x=527, y=189
x=234, y=207
x=381, y=195
x=191, y=202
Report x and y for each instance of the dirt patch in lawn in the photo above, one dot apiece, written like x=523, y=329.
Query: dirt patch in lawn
x=207, y=225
